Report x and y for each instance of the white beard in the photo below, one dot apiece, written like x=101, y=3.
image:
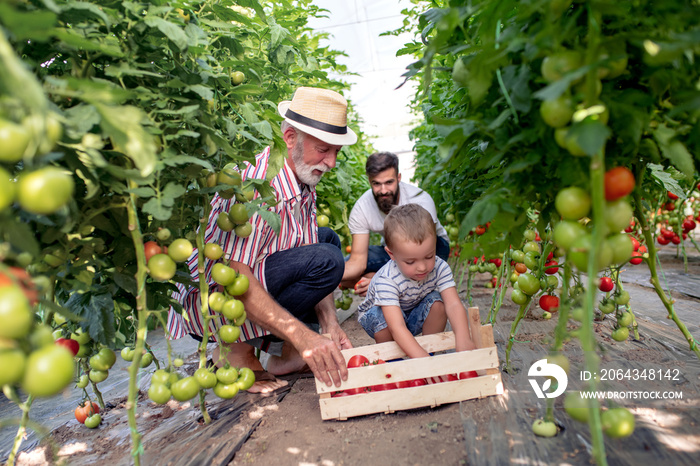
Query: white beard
x=304, y=171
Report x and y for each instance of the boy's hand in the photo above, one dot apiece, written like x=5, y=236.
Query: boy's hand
x=361, y=286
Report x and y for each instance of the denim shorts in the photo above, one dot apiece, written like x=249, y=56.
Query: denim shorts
x=373, y=320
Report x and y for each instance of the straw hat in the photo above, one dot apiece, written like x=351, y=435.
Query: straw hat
x=322, y=113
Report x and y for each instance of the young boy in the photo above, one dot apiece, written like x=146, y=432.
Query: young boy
x=414, y=292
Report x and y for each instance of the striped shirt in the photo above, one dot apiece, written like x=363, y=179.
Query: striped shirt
x=389, y=287
x=253, y=250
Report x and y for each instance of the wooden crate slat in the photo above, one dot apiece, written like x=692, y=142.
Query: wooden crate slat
x=409, y=369
x=409, y=398
x=487, y=339
x=475, y=326
x=391, y=350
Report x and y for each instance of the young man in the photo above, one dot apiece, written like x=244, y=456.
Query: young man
x=368, y=214
x=292, y=275
x=414, y=292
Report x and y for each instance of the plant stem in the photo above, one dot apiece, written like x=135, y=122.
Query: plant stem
x=204, y=293
x=514, y=327
x=95, y=390
x=651, y=246
x=597, y=174
x=21, y=431
x=141, y=326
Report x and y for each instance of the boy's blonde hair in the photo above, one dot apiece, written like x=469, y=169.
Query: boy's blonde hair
x=410, y=222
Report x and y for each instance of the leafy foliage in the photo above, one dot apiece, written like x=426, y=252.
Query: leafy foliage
x=145, y=95
x=484, y=151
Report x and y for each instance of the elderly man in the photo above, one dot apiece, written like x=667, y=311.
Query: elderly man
x=368, y=214
x=292, y=274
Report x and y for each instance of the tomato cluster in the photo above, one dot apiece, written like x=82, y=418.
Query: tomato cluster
x=344, y=301
x=29, y=357
x=225, y=382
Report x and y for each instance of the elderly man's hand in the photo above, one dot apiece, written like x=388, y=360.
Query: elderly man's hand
x=324, y=358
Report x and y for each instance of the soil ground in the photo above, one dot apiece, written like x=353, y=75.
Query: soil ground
x=286, y=427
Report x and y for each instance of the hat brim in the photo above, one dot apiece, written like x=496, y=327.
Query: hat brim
x=346, y=139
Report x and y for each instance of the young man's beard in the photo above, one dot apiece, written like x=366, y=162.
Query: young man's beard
x=386, y=201
x=304, y=171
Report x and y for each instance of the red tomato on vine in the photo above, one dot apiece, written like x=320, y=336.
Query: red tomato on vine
x=619, y=182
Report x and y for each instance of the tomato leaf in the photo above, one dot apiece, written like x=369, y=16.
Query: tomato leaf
x=97, y=311
x=665, y=179
x=674, y=150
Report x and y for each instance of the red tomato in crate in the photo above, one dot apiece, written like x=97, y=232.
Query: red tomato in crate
x=358, y=361
x=468, y=375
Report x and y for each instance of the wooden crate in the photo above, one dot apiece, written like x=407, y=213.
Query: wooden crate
x=483, y=360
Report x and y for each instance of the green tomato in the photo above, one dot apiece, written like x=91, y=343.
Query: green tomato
x=223, y=274
x=544, y=428
x=229, y=333
x=572, y=203
x=217, y=301
x=531, y=246
x=238, y=214
x=556, y=65
x=567, y=232
x=241, y=320
x=8, y=192
x=205, y=378
x=532, y=260
x=528, y=283
x=213, y=251
x=323, y=220
x=92, y=422
x=246, y=378
x=622, y=298
x=14, y=140
x=229, y=176
x=159, y=393
x=607, y=306
x=82, y=381
x=180, y=250
x=243, y=231
x=15, y=313
x=178, y=362
x=580, y=249
x=624, y=319
x=160, y=377
x=518, y=297
x=48, y=371
x=557, y=112
x=239, y=286
x=223, y=221
x=225, y=391
x=617, y=422
x=45, y=190
x=146, y=359
x=620, y=334
x=517, y=255
x=12, y=364
x=185, y=389
x=127, y=354
x=237, y=77
x=98, y=376
x=621, y=246
x=618, y=215
x=42, y=335
x=161, y=267
x=530, y=235
x=233, y=309
x=552, y=281
x=103, y=360
x=576, y=406
x=227, y=375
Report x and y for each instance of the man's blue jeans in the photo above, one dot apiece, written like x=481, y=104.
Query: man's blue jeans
x=299, y=278
x=377, y=256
